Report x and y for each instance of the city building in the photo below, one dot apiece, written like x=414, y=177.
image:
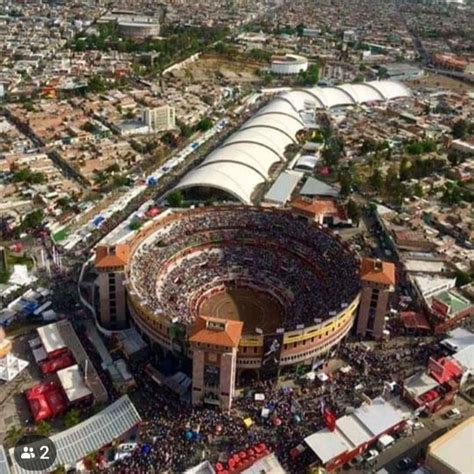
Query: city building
x=452, y=453
x=430, y=391
x=444, y=305
x=160, y=118
x=351, y=435
x=378, y=280
x=403, y=72
x=110, y=263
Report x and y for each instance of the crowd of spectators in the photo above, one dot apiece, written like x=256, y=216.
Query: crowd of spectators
x=312, y=272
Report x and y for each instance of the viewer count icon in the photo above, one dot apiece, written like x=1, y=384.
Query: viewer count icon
x=35, y=453
x=28, y=453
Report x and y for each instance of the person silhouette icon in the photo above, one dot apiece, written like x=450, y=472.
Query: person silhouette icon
x=26, y=453
x=32, y=453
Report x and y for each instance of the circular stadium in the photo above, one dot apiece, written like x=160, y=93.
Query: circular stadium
x=288, y=64
x=273, y=271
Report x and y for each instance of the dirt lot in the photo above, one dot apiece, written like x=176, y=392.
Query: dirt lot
x=211, y=68
x=438, y=81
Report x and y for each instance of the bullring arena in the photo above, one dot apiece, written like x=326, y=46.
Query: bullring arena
x=272, y=271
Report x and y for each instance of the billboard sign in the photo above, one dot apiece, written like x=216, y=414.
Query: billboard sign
x=272, y=347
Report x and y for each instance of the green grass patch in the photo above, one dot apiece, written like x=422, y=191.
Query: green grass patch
x=61, y=234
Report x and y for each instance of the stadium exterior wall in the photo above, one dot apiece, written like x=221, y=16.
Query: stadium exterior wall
x=299, y=346
x=289, y=64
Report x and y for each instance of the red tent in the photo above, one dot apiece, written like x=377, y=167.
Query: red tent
x=46, y=400
x=39, y=409
x=52, y=366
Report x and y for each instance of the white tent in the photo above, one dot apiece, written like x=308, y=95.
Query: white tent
x=10, y=367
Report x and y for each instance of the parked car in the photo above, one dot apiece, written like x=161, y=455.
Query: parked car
x=406, y=464
x=453, y=413
x=124, y=450
x=371, y=455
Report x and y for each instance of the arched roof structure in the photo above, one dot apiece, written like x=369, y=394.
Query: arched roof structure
x=244, y=160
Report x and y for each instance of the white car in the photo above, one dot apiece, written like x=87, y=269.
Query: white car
x=371, y=455
x=124, y=450
x=453, y=413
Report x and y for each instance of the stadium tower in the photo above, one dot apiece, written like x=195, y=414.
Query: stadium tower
x=378, y=281
x=110, y=262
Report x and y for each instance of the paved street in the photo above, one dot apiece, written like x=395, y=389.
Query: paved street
x=414, y=446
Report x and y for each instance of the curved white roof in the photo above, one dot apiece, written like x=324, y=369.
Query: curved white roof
x=391, y=89
x=246, y=156
x=243, y=161
x=278, y=123
x=347, y=94
x=271, y=139
x=233, y=178
x=363, y=93
x=280, y=107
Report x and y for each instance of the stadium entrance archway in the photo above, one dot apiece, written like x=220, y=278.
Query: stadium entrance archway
x=207, y=194
x=247, y=376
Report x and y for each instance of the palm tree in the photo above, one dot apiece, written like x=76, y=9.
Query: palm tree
x=13, y=435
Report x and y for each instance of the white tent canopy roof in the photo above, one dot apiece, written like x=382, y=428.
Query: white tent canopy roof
x=243, y=161
x=10, y=367
x=236, y=179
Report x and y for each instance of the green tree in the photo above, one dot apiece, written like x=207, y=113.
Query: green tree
x=353, y=211
x=175, y=199
x=186, y=130
x=43, y=428
x=88, y=127
x=462, y=278
x=455, y=158
x=405, y=166
x=119, y=181
x=32, y=220
x=460, y=128
x=332, y=153
x=72, y=417
x=4, y=277
x=418, y=190
x=345, y=181
x=377, y=180
x=135, y=224
x=204, y=124
x=310, y=77
x=300, y=29
x=452, y=194
x=96, y=84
